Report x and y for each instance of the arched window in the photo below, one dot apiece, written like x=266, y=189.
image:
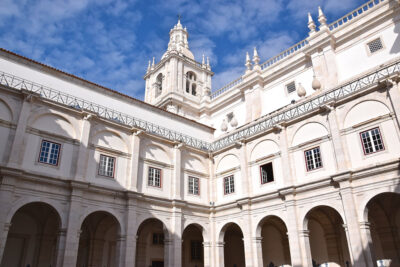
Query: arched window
x=191, y=83
x=158, y=84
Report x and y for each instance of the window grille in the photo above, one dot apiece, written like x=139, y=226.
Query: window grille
x=229, y=185
x=313, y=159
x=154, y=177
x=372, y=141
x=158, y=239
x=196, y=248
x=375, y=45
x=267, y=174
x=106, y=166
x=49, y=153
x=291, y=87
x=193, y=185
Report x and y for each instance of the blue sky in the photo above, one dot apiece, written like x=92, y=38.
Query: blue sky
x=110, y=41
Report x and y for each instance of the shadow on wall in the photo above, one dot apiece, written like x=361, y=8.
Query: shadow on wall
x=382, y=228
x=396, y=45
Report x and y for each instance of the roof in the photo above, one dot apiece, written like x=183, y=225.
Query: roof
x=49, y=68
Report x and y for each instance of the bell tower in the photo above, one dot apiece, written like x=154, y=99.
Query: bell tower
x=177, y=82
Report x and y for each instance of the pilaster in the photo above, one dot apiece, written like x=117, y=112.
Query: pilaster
x=359, y=254
x=135, y=152
x=207, y=254
x=19, y=141
x=244, y=170
x=131, y=231
x=286, y=164
x=83, y=152
x=296, y=251
x=177, y=179
x=257, y=248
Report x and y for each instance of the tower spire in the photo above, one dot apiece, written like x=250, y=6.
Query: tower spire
x=321, y=19
x=311, y=24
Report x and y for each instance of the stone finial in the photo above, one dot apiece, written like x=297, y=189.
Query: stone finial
x=208, y=63
x=248, y=62
x=316, y=84
x=149, y=66
x=203, y=62
x=301, y=92
x=153, y=64
x=321, y=18
x=256, y=58
x=224, y=126
x=234, y=121
x=311, y=24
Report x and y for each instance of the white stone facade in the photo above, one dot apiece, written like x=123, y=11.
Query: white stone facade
x=314, y=181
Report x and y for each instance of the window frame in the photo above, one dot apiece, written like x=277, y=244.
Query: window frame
x=148, y=177
x=114, y=166
x=320, y=155
x=200, y=256
x=381, y=138
x=233, y=179
x=273, y=174
x=58, y=155
x=198, y=186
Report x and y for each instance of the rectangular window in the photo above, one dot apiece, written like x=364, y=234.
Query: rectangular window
x=313, y=159
x=196, y=248
x=375, y=45
x=193, y=185
x=372, y=141
x=158, y=239
x=229, y=185
x=49, y=152
x=154, y=177
x=291, y=87
x=267, y=174
x=106, y=166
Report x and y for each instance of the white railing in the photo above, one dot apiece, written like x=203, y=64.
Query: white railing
x=226, y=88
x=361, y=10
x=77, y=103
x=290, y=51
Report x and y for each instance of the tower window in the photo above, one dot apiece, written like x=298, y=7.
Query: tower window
x=154, y=178
x=372, y=141
x=191, y=83
x=49, y=152
x=313, y=159
x=106, y=166
x=267, y=174
x=229, y=185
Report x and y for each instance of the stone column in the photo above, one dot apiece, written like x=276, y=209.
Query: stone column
x=7, y=187
x=60, y=246
x=219, y=246
x=177, y=179
x=19, y=142
x=207, y=254
x=131, y=231
x=168, y=252
x=360, y=253
x=176, y=237
x=3, y=238
x=83, y=152
x=295, y=248
x=366, y=238
x=120, y=251
x=132, y=182
x=305, y=248
x=73, y=228
x=257, y=247
x=338, y=148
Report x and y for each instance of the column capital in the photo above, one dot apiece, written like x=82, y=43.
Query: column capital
x=365, y=225
x=304, y=233
x=207, y=244
x=62, y=232
x=258, y=239
x=220, y=244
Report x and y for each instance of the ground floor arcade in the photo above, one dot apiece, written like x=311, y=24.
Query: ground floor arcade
x=43, y=231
